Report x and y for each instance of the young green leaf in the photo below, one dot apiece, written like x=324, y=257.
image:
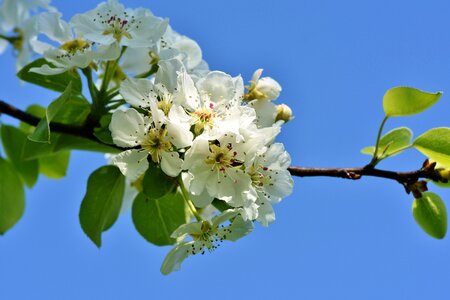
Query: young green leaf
x=35, y=110
x=435, y=144
x=391, y=143
x=156, y=183
x=12, y=196
x=405, y=101
x=53, y=82
x=156, y=219
x=14, y=142
x=101, y=204
x=42, y=132
x=103, y=133
x=430, y=213
x=54, y=165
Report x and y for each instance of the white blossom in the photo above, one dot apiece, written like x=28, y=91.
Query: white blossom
x=110, y=22
x=206, y=236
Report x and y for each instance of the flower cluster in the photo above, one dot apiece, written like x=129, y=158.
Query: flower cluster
x=204, y=129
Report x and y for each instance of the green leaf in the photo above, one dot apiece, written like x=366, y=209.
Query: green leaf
x=405, y=101
x=42, y=132
x=12, y=196
x=430, y=213
x=75, y=112
x=54, y=165
x=14, y=142
x=391, y=142
x=67, y=142
x=435, y=144
x=35, y=110
x=101, y=204
x=156, y=183
x=103, y=133
x=156, y=219
x=53, y=82
x=33, y=150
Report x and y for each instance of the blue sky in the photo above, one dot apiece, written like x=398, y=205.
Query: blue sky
x=333, y=239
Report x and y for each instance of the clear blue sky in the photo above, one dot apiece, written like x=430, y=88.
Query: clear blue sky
x=333, y=239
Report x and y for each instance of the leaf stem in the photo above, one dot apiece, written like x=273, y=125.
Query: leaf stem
x=374, y=160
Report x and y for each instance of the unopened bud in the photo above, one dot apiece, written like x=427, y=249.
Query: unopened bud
x=265, y=88
x=445, y=174
x=284, y=113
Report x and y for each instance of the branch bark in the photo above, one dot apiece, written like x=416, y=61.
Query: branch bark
x=404, y=178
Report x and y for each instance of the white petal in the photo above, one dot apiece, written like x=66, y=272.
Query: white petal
x=46, y=70
x=175, y=257
x=128, y=128
x=132, y=163
x=191, y=49
x=217, y=87
x=167, y=73
x=186, y=93
x=171, y=163
x=138, y=92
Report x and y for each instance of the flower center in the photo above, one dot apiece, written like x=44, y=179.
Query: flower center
x=156, y=143
x=118, y=27
x=74, y=46
x=221, y=158
x=165, y=105
x=203, y=117
x=257, y=177
x=210, y=238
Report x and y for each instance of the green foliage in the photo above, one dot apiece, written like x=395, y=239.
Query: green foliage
x=14, y=141
x=435, y=144
x=156, y=183
x=42, y=132
x=430, y=213
x=156, y=219
x=35, y=110
x=53, y=82
x=54, y=165
x=405, y=101
x=12, y=196
x=102, y=202
x=391, y=143
x=68, y=142
x=103, y=133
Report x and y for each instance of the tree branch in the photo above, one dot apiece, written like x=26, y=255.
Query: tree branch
x=81, y=131
x=404, y=178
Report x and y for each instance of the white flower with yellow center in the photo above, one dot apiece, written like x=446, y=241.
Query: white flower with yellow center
x=151, y=138
x=271, y=180
x=71, y=52
x=110, y=22
x=217, y=171
x=205, y=236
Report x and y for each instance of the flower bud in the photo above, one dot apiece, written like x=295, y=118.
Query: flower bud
x=445, y=174
x=284, y=113
x=265, y=88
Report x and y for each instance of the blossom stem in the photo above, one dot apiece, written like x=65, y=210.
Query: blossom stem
x=92, y=88
x=188, y=200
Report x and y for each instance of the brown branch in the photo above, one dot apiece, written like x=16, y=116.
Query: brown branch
x=357, y=173
x=405, y=178
x=81, y=131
